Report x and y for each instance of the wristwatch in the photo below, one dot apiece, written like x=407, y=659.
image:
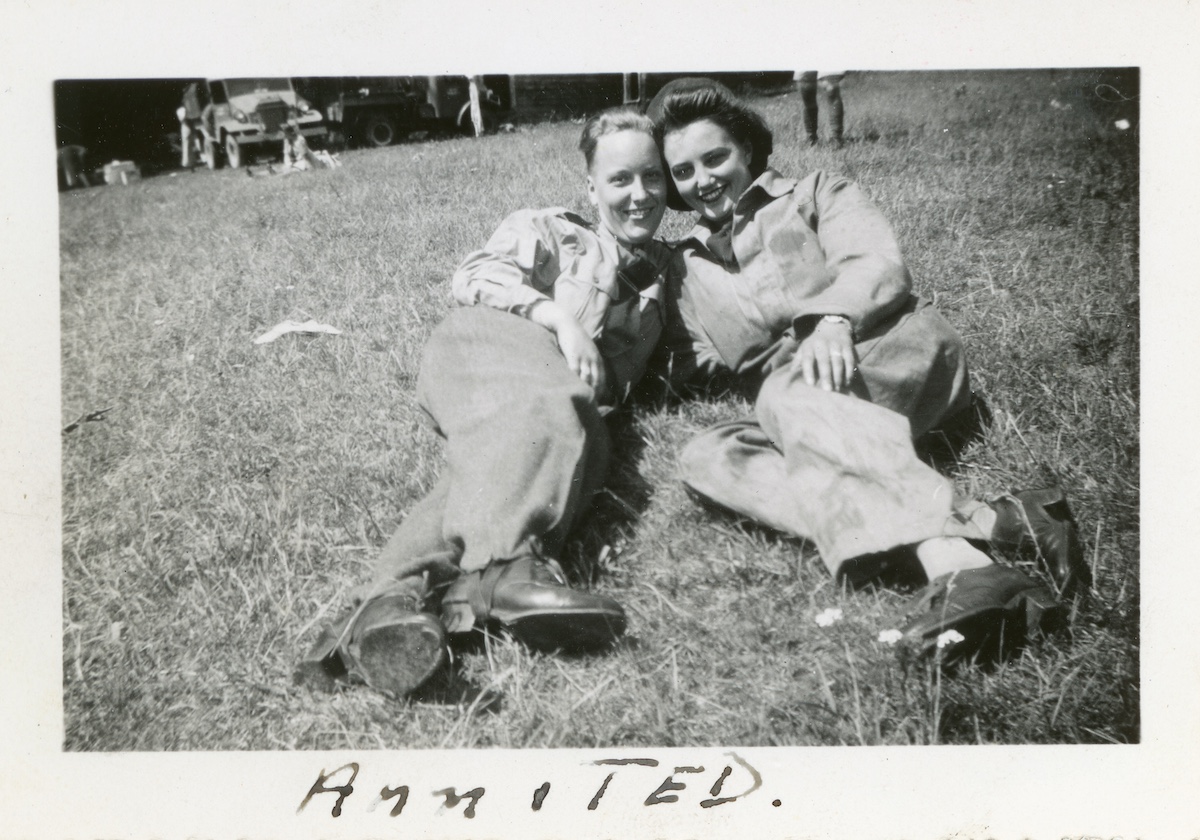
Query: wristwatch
x=839, y=319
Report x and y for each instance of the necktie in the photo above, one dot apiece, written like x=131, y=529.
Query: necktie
x=634, y=278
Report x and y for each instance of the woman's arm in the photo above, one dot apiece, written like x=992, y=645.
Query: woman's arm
x=577, y=347
x=517, y=266
x=870, y=279
x=516, y=272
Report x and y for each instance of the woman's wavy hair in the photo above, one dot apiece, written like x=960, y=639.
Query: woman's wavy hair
x=682, y=102
x=621, y=118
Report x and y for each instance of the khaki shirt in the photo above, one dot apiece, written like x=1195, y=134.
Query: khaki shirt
x=613, y=292
x=803, y=249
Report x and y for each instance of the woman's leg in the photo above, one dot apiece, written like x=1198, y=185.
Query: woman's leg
x=831, y=89
x=525, y=443
x=838, y=469
x=808, y=99
x=526, y=448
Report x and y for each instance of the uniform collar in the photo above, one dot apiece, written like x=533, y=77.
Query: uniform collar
x=626, y=256
x=764, y=189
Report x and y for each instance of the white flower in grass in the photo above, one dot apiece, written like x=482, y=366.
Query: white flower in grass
x=950, y=637
x=828, y=617
x=890, y=637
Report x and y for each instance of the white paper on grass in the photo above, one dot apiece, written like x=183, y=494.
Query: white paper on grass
x=286, y=327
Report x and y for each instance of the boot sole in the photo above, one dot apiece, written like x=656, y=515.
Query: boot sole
x=399, y=658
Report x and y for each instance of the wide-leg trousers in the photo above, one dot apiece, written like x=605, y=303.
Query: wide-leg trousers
x=526, y=448
x=840, y=469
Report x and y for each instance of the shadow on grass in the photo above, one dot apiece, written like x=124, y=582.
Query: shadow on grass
x=616, y=509
x=942, y=447
x=448, y=687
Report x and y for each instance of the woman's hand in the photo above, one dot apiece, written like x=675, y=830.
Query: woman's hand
x=577, y=347
x=826, y=358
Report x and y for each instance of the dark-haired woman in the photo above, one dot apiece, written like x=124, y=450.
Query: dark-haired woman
x=800, y=286
x=558, y=320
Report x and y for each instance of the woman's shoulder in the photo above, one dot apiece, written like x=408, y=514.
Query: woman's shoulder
x=548, y=220
x=819, y=186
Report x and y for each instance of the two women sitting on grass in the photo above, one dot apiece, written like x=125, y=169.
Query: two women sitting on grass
x=559, y=318
x=796, y=287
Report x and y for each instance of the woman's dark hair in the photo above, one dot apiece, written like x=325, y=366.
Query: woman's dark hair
x=682, y=102
x=621, y=118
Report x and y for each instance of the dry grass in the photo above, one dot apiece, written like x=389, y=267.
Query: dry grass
x=235, y=493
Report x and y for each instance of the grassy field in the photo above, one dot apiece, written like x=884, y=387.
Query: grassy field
x=233, y=494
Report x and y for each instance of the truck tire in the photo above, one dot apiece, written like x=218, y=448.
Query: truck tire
x=379, y=129
x=212, y=153
x=233, y=152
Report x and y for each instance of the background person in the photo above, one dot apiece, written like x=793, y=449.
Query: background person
x=297, y=157
x=190, y=113
x=828, y=83
x=72, y=167
x=800, y=286
x=558, y=320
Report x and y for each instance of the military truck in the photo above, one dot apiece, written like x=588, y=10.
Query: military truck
x=367, y=110
x=244, y=118
x=449, y=99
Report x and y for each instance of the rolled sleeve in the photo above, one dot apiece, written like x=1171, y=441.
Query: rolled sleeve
x=517, y=266
x=862, y=256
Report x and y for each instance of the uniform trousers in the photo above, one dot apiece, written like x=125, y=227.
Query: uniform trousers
x=526, y=448
x=841, y=469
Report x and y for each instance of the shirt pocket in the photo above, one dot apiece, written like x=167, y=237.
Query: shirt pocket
x=577, y=291
x=797, y=254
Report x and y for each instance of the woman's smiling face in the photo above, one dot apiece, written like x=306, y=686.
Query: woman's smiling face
x=627, y=185
x=710, y=168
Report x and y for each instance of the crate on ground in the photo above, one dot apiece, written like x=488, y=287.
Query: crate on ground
x=121, y=172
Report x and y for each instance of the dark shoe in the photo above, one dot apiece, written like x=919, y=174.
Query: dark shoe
x=1040, y=522
x=385, y=643
x=529, y=597
x=983, y=614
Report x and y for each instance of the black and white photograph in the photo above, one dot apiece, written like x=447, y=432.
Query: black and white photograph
x=430, y=407
x=613, y=446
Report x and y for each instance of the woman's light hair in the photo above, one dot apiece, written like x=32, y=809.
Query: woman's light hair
x=622, y=118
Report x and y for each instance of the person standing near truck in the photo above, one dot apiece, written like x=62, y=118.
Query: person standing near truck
x=189, y=113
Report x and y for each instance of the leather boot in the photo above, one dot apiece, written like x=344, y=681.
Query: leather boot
x=385, y=643
x=1039, y=522
x=529, y=597
x=984, y=615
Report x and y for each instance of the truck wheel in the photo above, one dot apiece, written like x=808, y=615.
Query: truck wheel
x=233, y=152
x=379, y=130
x=212, y=154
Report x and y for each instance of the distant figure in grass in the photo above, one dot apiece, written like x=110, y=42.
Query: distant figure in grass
x=297, y=156
x=799, y=288
x=559, y=317
x=827, y=83
x=72, y=167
